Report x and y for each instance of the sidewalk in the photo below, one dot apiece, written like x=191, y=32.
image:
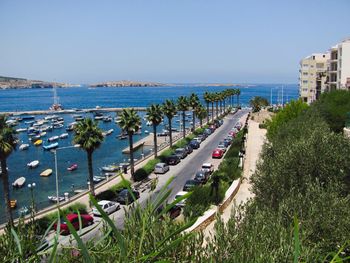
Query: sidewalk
x=255, y=141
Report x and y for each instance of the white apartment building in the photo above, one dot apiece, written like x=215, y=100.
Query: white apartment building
x=313, y=76
x=339, y=66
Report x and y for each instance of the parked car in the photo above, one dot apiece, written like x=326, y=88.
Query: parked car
x=232, y=134
x=188, y=149
x=194, y=144
x=190, y=184
x=125, y=197
x=108, y=206
x=174, y=212
x=217, y=153
x=227, y=141
x=207, y=131
x=202, y=176
x=182, y=202
x=197, y=139
x=173, y=159
x=161, y=168
x=212, y=128
x=181, y=152
x=86, y=220
x=202, y=137
x=222, y=147
x=208, y=167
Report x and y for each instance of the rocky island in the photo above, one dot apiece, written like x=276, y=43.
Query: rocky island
x=21, y=83
x=128, y=83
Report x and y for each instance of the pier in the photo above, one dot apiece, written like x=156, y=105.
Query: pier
x=68, y=111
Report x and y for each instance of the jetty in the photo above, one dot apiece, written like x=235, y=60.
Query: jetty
x=68, y=111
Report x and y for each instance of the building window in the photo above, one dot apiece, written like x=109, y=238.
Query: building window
x=304, y=81
x=319, y=65
x=304, y=90
x=305, y=73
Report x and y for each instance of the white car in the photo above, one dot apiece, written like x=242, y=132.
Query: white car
x=108, y=206
x=161, y=168
x=198, y=140
x=222, y=147
x=182, y=203
x=208, y=167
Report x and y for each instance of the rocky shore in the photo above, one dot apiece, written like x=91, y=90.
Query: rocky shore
x=20, y=83
x=127, y=83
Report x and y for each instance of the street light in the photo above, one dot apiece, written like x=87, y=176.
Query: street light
x=56, y=168
x=31, y=187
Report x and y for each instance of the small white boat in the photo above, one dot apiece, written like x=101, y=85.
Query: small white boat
x=51, y=117
x=19, y=182
x=21, y=130
x=23, y=211
x=24, y=146
x=146, y=131
x=64, y=136
x=54, y=198
x=53, y=138
x=33, y=164
x=106, y=133
x=148, y=123
x=98, y=117
x=98, y=179
x=110, y=168
x=46, y=173
x=42, y=134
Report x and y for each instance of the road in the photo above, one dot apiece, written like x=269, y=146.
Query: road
x=182, y=172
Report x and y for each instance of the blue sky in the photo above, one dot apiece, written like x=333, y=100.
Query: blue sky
x=251, y=41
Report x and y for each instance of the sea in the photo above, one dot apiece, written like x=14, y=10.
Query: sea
x=110, y=152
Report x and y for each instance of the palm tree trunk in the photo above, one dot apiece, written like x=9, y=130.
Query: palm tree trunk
x=131, y=150
x=183, y=125
x=238, y=100
x=224, y=105
x=170, y=133
x=207, y=112
x=5, y=183
x=220, y=107
x=193, y=120
x=91, y=174
x=201, y=122
x=212, y=111
x=155, y=140
x=216, y=108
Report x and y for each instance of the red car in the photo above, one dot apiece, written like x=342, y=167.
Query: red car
x=232, y=134
x=86, y=220
x=217, y=153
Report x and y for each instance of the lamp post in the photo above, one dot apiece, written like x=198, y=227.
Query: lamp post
x=56, y=167
x=31, y=188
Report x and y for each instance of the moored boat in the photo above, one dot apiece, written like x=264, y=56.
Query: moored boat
x=63, y=136
x=98, y=179
x=50, y=146
x=46, y=173
x=73, y=167
x=38, y=142
x=21, y=129
x=106, y=133
x=33, y=164
x=24, y=146
x=54, y=198
x=53, y=138
x=19, y=182
x=110, y=168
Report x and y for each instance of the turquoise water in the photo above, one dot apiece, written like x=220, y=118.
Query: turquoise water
x=110, y=150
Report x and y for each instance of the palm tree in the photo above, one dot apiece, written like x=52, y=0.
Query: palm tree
x=201, y=114
x=194, y=103
x=169, y=110
x=216, y=100
x=220, y=98
x=182, y=105
x=130, y=122
x=154, y=115
x=238, y=92
x=89, y=136
x=8, y=142
x=207, y=99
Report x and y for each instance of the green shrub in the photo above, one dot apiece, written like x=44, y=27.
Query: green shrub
x=140, y=174
x=198, y=202
x=121, y=185
x=108, y=194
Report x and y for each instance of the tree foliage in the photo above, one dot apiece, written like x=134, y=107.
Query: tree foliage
x=258, y=102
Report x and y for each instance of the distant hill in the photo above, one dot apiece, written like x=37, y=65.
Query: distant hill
x=21, y=83
x=9, y=79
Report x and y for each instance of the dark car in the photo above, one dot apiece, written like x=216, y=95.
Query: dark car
x=202, y=176
x=212, y=128
x=194, y=144
x=228, y=141
x=225, y=143
x=174, y=212
x=202, y=137
x=190, y=184
x=207, y=132
x=125, y=197
x=188, y=149
x=181, y=152
x=172, y=159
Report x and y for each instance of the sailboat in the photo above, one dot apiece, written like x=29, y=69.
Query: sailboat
x=56, y=106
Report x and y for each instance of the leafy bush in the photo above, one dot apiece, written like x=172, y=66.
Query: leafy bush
x=123, y=184
x=140, y=174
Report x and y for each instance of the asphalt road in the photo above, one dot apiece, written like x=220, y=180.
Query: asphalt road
x=182, y=172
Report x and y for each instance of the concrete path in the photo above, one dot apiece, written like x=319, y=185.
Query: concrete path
x=255, y=141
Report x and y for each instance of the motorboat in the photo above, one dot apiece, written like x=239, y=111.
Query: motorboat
x=54, y=198
x=57, y=126
x=106, y=133
x=46, y=128
x=107, y=119
x=38, y=142
x=53, y=138
x=43, y=134
x=23, y=211
x=73, y=167
x=110, y=168
x=50, y=146
x=19, y=182
x=33, y=164
x=98, y=179
x=51, y=117
x=98, y=118
x=63, y=136
x=21, y=129
x=148, y=123
x=46, y=173
x=24, y=146
x=28, y=117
